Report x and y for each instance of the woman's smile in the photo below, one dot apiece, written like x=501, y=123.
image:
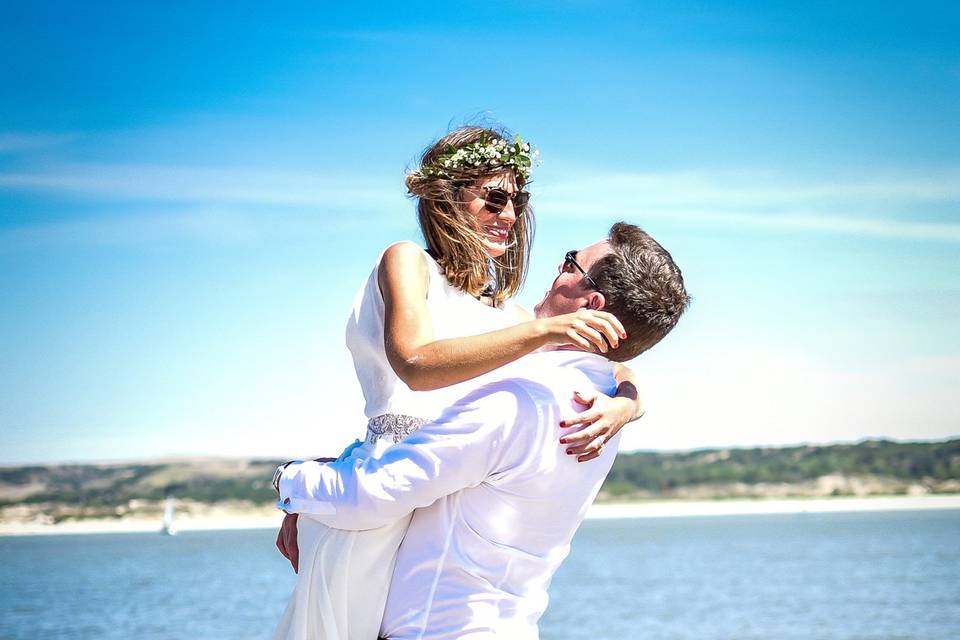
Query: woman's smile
x=497, y=232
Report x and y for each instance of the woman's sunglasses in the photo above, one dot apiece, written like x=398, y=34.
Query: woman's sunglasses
x=496, y=199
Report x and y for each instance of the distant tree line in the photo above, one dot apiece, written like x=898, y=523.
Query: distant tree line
x=657, y=473
x=660, y=472
x=108, y=485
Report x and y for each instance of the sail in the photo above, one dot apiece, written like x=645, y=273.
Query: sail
x=168, y=508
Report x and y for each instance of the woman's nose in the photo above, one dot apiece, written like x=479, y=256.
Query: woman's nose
x=508, y=213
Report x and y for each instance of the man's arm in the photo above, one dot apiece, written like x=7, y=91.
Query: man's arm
x=461, y=449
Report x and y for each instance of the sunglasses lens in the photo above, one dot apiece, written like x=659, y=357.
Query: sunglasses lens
x=520, y=200
x=497, y=199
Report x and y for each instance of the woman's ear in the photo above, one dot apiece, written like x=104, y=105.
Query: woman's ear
x=596, y=301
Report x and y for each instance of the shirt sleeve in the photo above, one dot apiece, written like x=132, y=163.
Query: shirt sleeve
x=460, y=449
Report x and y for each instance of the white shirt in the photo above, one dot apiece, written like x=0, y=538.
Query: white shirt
x=498, y=501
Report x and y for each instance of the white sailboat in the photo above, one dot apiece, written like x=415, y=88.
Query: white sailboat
x=168, y=529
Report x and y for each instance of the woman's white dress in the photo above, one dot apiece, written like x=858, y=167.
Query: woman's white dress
x=344, y=576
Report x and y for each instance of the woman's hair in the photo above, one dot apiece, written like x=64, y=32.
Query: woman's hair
x=450, y=232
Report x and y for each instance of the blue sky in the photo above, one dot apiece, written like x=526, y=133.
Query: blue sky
x=189, y=200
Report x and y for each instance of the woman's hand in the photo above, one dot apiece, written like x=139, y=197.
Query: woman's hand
x=590, y=330
x=601, y=420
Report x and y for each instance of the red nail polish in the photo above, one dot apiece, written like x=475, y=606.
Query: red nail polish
x=569, y=452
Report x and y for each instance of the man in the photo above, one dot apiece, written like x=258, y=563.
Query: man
x=497, y=500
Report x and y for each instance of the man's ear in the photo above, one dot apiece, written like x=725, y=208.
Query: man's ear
x=596, y=301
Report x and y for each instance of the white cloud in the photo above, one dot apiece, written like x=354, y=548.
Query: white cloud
x=741, y=399
x=749, y=398
x=209, y=185
x=301, y=402
x=873, y=206
x=753, y=189
x=757, y=200
x=212, y=225
x=208, y=225
x=309, y=409
x=23, y=141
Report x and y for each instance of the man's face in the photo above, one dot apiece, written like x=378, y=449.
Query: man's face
x=570, y=290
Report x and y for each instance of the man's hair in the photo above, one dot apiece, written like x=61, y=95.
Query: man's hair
x=642, y=286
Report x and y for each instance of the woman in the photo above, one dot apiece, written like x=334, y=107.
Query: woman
x=426, y=320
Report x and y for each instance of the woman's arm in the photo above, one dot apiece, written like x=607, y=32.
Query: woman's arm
x=604, y=416
x=424, y=363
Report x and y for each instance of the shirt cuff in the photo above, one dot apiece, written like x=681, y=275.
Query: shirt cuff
x=292, y=481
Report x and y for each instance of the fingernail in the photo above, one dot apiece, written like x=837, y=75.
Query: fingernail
x=563, y=423
x=569, y=452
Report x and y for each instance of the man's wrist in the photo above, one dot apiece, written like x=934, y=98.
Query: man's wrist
x=626, y=390
x=279, y=473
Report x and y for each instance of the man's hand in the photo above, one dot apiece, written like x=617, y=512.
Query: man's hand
x=287, y=541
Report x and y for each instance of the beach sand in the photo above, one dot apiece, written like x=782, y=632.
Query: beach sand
x=652, y=509
x=686, y=508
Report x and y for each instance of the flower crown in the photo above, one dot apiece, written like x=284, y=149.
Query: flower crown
x=493, y=154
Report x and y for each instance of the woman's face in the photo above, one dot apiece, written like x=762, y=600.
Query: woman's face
x=494, y=227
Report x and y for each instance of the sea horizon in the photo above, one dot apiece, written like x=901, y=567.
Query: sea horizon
x=609, y=510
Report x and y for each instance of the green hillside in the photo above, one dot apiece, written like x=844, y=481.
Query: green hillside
x=897, y=465
x=870, y=467
x=97, y=485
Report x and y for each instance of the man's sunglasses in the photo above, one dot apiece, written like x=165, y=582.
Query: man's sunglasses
x=496, y=200
x=570, y=260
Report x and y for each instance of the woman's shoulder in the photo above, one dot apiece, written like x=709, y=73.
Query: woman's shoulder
x=403, y=260
x=522, y=315
x=404, y=248
x=404, y=254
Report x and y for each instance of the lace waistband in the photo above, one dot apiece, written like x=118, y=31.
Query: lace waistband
x=392, y=426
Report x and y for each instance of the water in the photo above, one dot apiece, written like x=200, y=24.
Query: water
x=833, y=576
